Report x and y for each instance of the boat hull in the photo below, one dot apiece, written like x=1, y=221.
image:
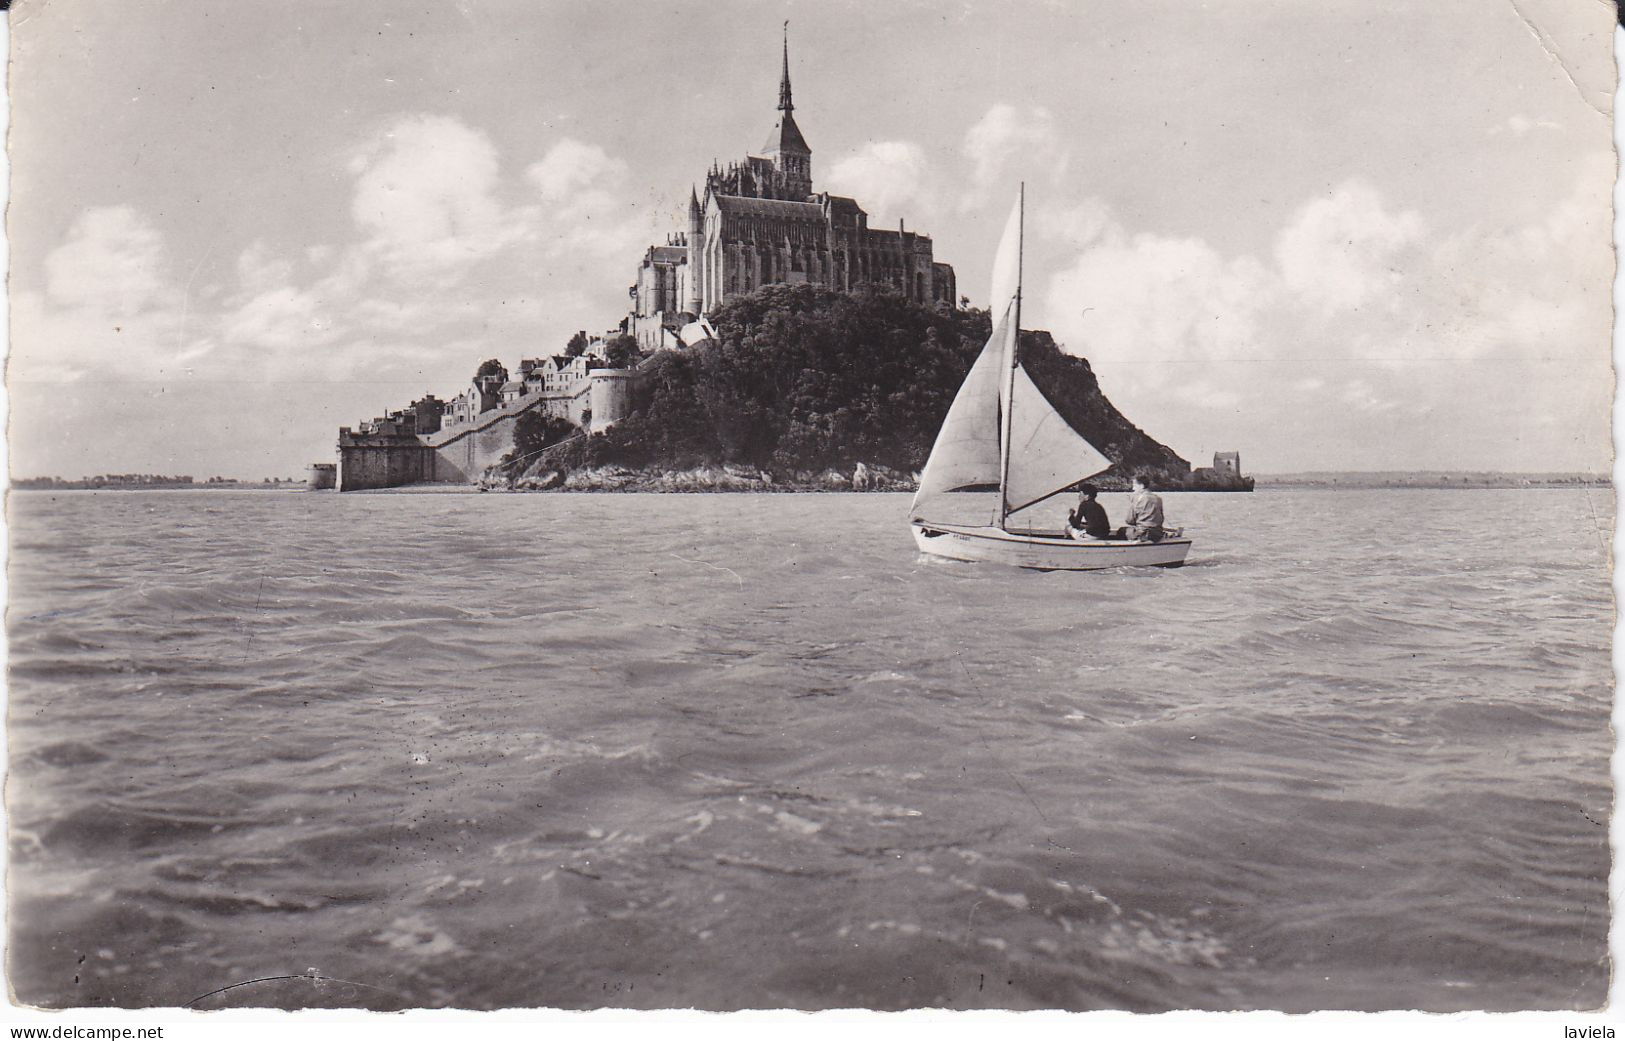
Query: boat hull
x=1043, y=551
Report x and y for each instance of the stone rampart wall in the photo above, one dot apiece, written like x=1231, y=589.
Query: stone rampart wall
x=460, y=454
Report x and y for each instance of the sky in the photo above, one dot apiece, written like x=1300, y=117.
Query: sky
x=1330, y=236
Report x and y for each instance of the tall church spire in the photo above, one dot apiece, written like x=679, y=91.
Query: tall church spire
x=785, y=145
x=784, y=80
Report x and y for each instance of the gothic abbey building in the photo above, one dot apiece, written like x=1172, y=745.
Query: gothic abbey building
x=760, y=222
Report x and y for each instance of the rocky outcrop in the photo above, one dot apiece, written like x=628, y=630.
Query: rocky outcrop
x=544, y=481
x=864, y=477
x=601, y=479
x=1205, y=480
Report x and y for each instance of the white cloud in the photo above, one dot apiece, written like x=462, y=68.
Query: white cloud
x=1343, y=250
x=55, y=344
x=258, y=270
x=1078, y=224
x=1006, y=137
x=284, y=318
x=1365, y=397
x=1536, y=289
x=446, y=250
x=112, y=263
x=425, y=194
x=1130, y=299
x=109, y=309
x=889, y=178
x=585, y=204
x=572, y=169
x=451, y=252
x=1360, y=327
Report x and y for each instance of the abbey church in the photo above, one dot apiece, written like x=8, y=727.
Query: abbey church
x=759, y=222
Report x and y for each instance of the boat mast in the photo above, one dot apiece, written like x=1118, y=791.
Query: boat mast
x=1011, y=363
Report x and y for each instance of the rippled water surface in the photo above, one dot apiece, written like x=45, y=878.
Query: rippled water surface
x=725, y=751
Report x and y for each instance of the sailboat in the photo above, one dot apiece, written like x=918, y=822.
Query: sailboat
x=1001, y=434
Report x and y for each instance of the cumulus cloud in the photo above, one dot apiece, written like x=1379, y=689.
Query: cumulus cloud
x=1133, y=298
x=110, y=307
x=448, y=247
x=1343, y=250
x=1534, y=290
x=890, y=179
x=584, y=200
x=1365, y=396
x=112, y=263
x=285, y=318
x=1348, y=276
x=573, y=169
x=1076, y=224
x=1007, y=136
x=425, y=193
x=1359, y=324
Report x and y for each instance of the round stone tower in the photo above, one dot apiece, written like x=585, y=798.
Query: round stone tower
x=610, y=396
x=321, y=476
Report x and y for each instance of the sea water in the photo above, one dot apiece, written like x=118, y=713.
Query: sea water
x=731, y=751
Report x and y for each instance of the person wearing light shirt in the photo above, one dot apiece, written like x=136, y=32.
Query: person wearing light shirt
x=1144, y=520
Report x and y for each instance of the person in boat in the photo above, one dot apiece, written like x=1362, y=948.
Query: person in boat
x=1144, y=521
x=1088, y=521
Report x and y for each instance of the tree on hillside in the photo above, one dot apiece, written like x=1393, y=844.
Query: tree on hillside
x=622, y=352
x=806, y=377
x=491, y=367
x=536, y=430
x=577, y=345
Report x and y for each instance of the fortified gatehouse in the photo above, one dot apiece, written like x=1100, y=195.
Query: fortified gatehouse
x=759, y=222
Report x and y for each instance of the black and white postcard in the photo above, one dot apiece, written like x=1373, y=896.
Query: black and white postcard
x=809, y=505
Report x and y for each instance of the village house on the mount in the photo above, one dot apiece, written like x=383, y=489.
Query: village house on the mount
x=759, y=222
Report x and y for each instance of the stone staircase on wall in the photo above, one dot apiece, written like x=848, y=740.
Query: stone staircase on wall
x=462, y=453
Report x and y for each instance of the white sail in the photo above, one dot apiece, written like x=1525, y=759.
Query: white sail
x=1046, y=454
x=966, y=453
x=1002, y=434
x=1005, y=306
x=966, y=456
x=1007, y=265
x=1043, y=455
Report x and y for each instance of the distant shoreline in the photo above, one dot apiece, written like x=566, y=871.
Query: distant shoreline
x=1436, y=479
x=39, y=485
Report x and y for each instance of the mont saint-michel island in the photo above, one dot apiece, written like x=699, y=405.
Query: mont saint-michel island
x=776, y=341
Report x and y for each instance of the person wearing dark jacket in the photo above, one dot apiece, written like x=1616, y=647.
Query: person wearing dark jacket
x=1088, y=521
